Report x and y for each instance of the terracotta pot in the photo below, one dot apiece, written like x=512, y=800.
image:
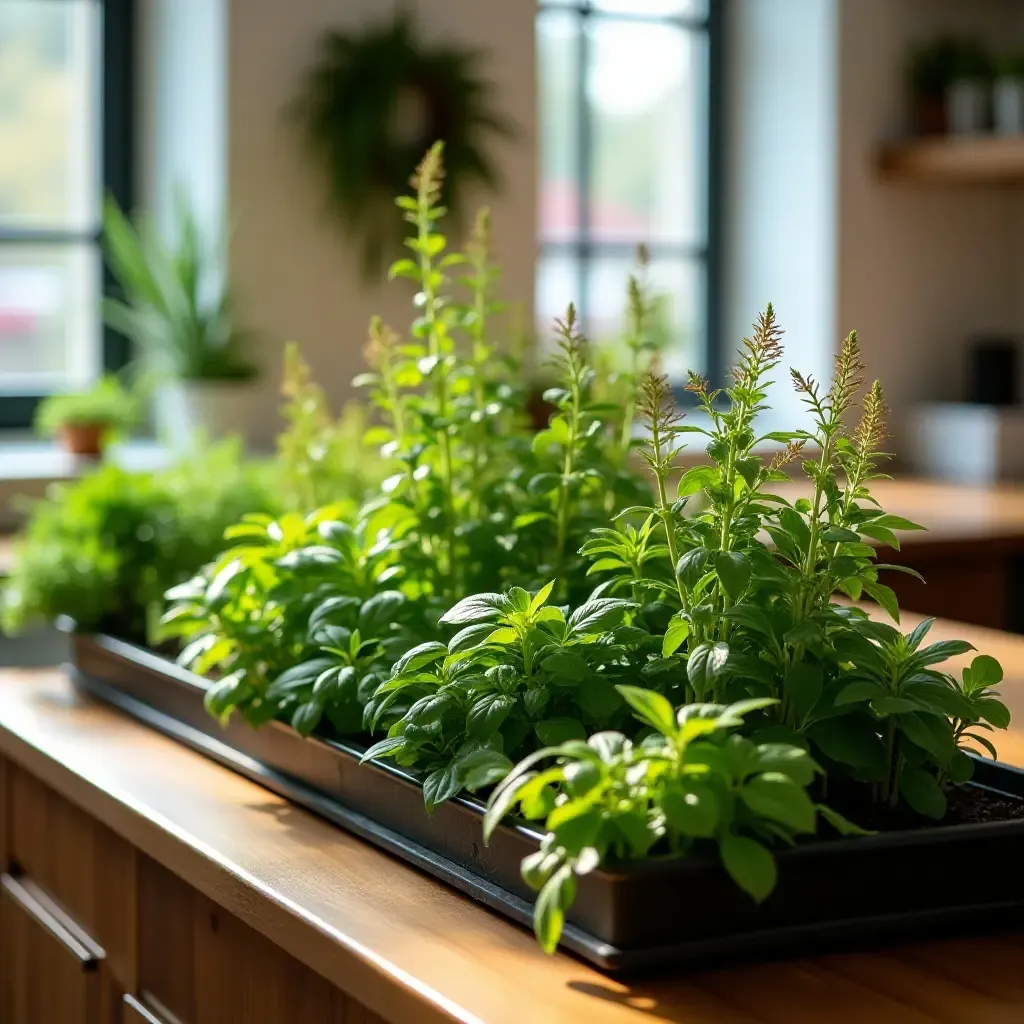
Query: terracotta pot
x=83, y=438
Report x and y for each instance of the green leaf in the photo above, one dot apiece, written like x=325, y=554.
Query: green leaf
x=932, y=733
x=549, y=911
x=790, y=760
x=566, y=665
x=706, y=665
x=803, y=688
x=486, y=714
x=993, y=711
x=576, y=823
x=441, y=785
x=886, y=597
x=691, y=810
x=842, y=825
x=307, y=717
x=418, y=657
x=599, y=700
x=677, y=632
x=850, y=742
x=597, y=615
x=474, y=609
x=942, y=651
x=750, y=864
x=652, y=708
x=855, y=693
x=379, y=611
x=986, y=671
x=505, y=795
x=922, y=792
x=540, y=598
x=384, y=748
x=733, y=571
x=896, y=523
x=839, y=535
x=482, y=767
x=697, y=479
x=776, y=796
x=555, y=731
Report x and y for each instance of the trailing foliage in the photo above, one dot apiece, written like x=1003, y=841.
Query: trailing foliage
x=371, y=105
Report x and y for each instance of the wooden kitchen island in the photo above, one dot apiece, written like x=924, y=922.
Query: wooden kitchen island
x=145, y=883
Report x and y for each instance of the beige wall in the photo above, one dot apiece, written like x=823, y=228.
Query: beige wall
x=294, y=274
x=920, y=268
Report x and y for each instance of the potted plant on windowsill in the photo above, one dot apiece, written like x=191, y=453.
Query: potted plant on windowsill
x=84, y=422
x=177, y=310
x=1008, y=95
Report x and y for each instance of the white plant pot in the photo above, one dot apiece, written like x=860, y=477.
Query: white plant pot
x=967, y=443
x=187, y=410
x=1008, y=106
x=967, y=107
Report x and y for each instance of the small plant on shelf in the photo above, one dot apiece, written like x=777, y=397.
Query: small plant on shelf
x=86, y=421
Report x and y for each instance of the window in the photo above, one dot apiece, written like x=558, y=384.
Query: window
x=627, y=155
x=65, y=138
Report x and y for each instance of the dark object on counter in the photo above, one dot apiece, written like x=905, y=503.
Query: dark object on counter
x=993, y=372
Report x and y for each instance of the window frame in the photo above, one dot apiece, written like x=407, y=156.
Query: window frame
x=584, y=248
x=117, y=178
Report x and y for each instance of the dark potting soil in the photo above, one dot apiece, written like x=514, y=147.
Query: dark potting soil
x=966, y=805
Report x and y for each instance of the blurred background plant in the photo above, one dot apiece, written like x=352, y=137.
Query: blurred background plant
x=177, y=309
x=103, y=549
x=86, y=421
x=322, y=458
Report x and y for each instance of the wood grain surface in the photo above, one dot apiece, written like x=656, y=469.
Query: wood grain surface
x=411, y=950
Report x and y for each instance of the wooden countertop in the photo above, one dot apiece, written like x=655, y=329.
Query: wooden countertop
x=412, y=950
x=950, y=512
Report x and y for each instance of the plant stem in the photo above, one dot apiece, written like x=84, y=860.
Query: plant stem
x=439, y=372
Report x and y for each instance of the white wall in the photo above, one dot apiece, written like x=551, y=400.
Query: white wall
x=295, y=276
x=182, y=115
x=780, y=190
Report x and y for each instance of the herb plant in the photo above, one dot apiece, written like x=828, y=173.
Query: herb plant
x=108, y=403
x=102, y=550
x=676, y=667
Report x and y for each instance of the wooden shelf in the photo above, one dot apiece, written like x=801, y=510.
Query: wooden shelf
x=975, y=160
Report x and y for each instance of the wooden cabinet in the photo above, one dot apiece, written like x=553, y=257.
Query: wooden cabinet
x=85, y=918
x=135, y=1012
x=50, y=970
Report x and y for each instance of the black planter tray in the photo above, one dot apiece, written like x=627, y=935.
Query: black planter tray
x=657, y=914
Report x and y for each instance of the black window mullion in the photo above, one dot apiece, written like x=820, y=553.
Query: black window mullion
x=585, y=248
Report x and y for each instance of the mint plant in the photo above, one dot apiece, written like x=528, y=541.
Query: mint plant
x=517, y=674
x=692, y=778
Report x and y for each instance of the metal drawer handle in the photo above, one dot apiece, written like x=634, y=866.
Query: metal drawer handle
x=34, y=902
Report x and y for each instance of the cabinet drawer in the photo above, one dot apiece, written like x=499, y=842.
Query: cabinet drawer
x=50, y=969
x=135, y=1012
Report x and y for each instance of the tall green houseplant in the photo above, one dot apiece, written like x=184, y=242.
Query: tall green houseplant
x=177, y=311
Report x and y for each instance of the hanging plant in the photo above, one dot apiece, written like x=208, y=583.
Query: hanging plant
x=372, y=104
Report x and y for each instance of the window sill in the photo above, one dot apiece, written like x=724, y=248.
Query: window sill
x=28, y=466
